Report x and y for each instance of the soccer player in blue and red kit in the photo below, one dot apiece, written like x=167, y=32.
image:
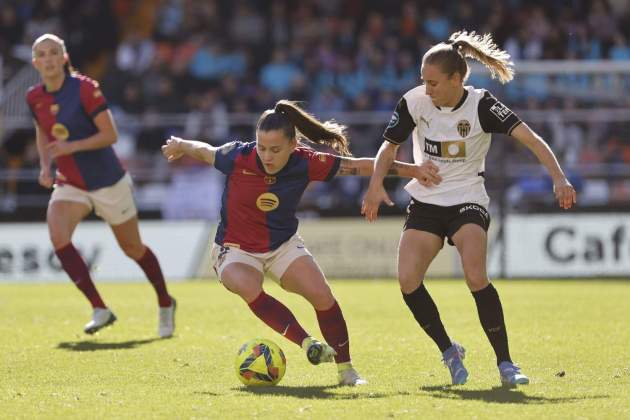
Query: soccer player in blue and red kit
x=75, y=128
x=258, y=235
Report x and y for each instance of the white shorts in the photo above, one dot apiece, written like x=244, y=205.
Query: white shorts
x=114, y=204
x=273, y=262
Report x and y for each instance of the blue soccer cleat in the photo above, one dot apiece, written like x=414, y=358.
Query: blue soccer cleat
x=452, y=358
x=511, y=374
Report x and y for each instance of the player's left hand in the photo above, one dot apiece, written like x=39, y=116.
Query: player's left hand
x=60, y=148
x=565, y=193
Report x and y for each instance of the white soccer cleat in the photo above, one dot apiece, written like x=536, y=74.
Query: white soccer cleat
x=101, y=317
x=166, y=322
x=350, y=377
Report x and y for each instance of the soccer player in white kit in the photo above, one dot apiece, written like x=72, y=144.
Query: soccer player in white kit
x=451, y=125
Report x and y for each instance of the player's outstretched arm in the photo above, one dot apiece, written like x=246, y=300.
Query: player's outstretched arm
x=426, y=174
x=562, y=188
x=175, y=147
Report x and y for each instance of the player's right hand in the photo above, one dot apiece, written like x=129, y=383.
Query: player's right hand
x=45, y=178
x=373, y=198
x=171, y=150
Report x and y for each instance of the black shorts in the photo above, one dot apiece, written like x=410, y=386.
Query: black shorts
x=445, y=221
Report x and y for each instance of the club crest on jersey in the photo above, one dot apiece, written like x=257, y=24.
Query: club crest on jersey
x=267, y=202
x=393, y=121
x=97, y=93
x=445, y=149
x=463, y=127
x=54, y=109
x=269, y=180
x=60, y=132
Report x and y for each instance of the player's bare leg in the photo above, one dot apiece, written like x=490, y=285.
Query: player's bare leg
x=304, y=277
x=415, y=252
x=128, y=237
x=63, y=218
x=471, y=243
x=246, y=281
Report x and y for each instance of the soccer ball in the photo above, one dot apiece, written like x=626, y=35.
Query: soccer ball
x=260, y=362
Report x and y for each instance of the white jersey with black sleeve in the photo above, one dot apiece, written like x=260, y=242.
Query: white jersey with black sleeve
x=456, y=139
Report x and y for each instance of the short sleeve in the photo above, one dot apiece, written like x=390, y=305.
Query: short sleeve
x=496, y=117
x=92, y=98
x=401, y=124
x=226, y=155
x=322, y=166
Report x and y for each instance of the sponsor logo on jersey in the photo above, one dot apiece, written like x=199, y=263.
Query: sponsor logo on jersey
x=54, y=109
x=501, y=111
x=424, y=120
x=269, y=180
x=267, y=202
x=445, y=149
x=393, y=121
x=247, y=172
x=60, y=132
x=97, y=93
x=463, y=127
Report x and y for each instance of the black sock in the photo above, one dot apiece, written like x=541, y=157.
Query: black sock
x=426, y=313
x=491, y=317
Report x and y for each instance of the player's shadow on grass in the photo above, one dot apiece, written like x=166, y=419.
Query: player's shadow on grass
x=91, y=345
x=320, y=392
x=498, y=395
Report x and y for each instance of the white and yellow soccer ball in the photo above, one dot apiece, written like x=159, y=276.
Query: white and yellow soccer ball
x=260, y=362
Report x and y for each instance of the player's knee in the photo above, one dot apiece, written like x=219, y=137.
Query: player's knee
x=247, y=290
x=321, y=298
x=59, y=238
x=133, y=250
x=477, y=282
x=409, y=282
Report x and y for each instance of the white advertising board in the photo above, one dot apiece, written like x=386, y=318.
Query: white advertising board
x=26, y=253
x=568, y=245
x=354, y=248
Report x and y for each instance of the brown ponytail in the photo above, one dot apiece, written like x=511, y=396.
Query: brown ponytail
x=296, y=123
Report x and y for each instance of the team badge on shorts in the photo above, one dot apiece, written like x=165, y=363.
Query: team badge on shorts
x=222, y=254
x=463, y=127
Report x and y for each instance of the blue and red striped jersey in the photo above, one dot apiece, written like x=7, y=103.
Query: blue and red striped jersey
x=67, y=115
x=258, y=209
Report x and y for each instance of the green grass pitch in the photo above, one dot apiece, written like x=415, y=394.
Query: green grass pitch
x=570, y=337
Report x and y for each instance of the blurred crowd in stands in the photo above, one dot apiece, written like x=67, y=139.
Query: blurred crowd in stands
x=210, y=58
